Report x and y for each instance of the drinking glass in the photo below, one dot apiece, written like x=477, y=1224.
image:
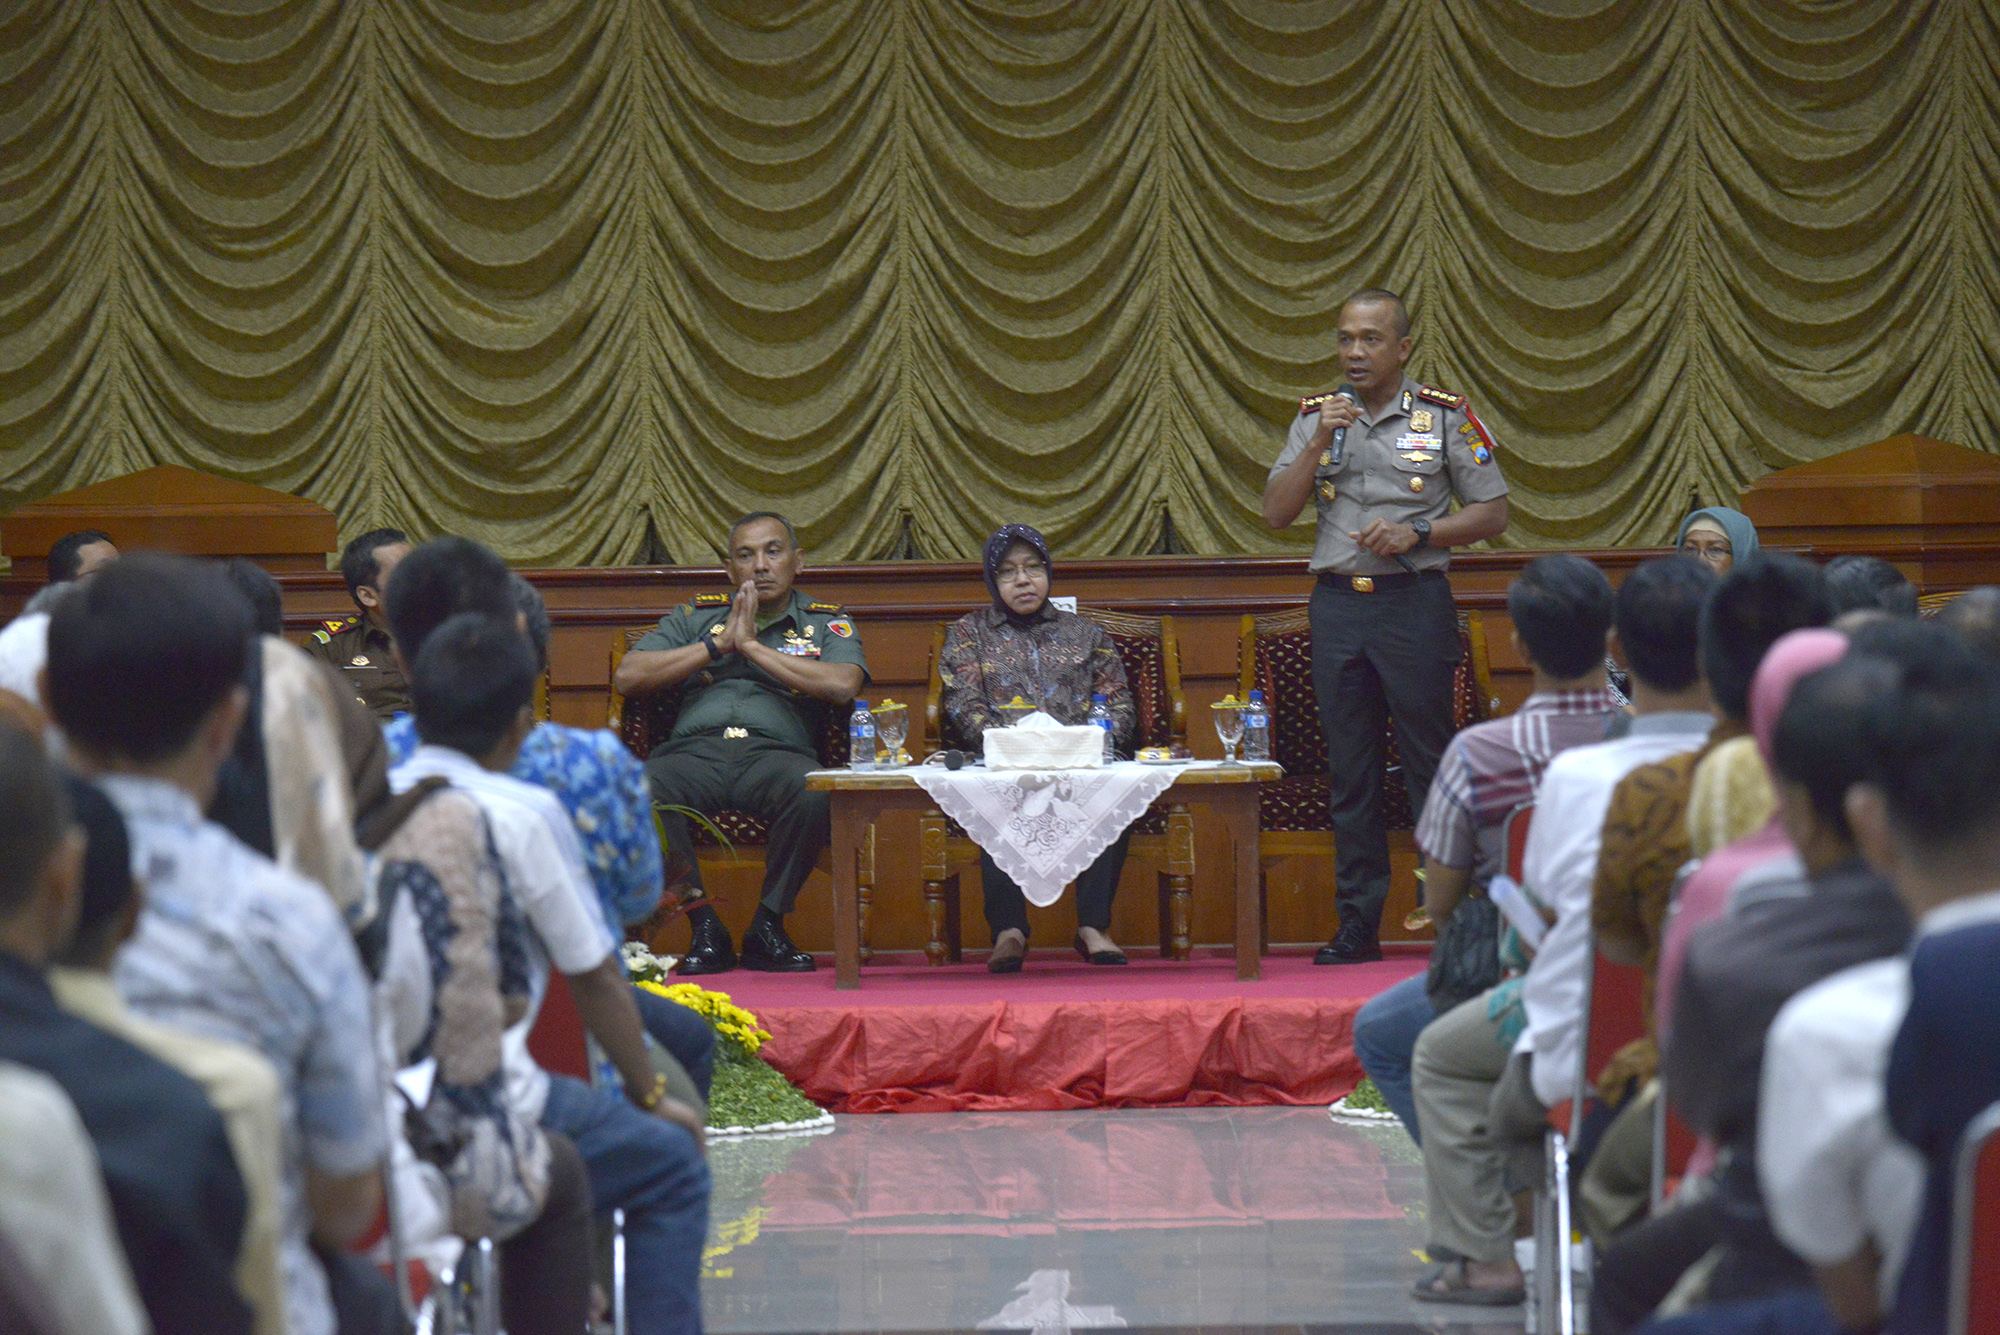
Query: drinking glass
x=891, y=727
x=1229, y=727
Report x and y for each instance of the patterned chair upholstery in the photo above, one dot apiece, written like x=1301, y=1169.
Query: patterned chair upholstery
x=1151, y=656
x=644, y=723
x=1930, y=604
x=1274, y=655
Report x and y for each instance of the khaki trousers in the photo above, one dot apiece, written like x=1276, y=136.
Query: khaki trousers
x=1481, y=1132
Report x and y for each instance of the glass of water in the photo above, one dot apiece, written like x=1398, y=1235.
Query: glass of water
x=892, y=725
x=1229, y=726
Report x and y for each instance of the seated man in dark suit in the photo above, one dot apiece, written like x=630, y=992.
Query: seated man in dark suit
x=168, y=1169
x=756, y=670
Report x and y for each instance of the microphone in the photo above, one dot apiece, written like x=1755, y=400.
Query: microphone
x=1337, y=452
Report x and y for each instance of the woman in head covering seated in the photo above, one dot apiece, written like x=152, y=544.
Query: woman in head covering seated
x=1717, y=536
x=1023, y=647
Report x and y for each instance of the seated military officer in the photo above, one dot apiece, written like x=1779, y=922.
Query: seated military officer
x=756, y=670
x=358, y=648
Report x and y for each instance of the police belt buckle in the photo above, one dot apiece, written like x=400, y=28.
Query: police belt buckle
x=1361, y=583
x=735, y=733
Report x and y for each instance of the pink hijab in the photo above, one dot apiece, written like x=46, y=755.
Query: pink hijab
x=1706, y=894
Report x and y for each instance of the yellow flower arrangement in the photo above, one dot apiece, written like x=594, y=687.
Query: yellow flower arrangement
x=730, y=1020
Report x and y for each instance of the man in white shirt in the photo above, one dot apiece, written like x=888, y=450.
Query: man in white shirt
x=642, y=1148
x=1464, y=1106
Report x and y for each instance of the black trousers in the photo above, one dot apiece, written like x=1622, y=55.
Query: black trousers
x=710, y=772
x=545, y=1269
x=1378, y=656
x=1007, y=907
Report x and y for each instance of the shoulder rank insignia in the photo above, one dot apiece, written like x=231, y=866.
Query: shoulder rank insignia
x=337, y=625
x=1312, y=403
x=1443, y=396
x=822, y=607
x=711, y=600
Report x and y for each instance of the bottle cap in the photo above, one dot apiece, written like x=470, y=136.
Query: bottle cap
x=1256, y=697
x=1097, y=699
x=860, y=704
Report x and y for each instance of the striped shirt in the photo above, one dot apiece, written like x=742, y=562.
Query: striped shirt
x=1493, y=767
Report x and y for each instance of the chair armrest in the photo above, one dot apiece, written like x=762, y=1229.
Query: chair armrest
x=933, y=737
x=1170, y=655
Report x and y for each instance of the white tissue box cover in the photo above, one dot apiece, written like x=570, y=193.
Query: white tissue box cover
x=1052, y=746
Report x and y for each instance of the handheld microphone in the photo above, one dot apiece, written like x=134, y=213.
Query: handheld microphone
x=1337, y=452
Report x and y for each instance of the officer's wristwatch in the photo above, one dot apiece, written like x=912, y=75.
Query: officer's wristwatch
x=715, y=650
x=1423, y=530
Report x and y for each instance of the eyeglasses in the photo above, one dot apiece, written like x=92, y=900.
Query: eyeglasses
x=1007, y=574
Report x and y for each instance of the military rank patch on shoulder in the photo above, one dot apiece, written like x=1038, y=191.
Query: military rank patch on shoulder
x=1482, y=444
x=822, y=607
x=337, y=625
x=1314, y=402
x=1443, y=396
x=711, y=600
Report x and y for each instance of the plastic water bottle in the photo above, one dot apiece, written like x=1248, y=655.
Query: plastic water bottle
x=1256, y=729
x=861, y=737
x=1100, y=717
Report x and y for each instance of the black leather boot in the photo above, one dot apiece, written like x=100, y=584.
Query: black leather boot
x=767, y=949
x=710, y=951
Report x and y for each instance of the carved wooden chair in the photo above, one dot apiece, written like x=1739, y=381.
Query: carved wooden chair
x=1165, y=834
x=643, y=724
x=1274, y=655
x=1930, y=604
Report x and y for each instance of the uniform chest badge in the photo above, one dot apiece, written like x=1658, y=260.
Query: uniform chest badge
x=1326, y=458
x=1422, y=420
x=360, y=660
x=1326, y=491
x=1416, y=484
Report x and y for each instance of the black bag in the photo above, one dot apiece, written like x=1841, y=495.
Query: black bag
x=1465, y=961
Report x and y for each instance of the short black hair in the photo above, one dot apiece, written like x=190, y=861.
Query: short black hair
x=66, y=554
x=438, y=580
x=1934, y=739
x=108, y=887
x=1759, y=601
x=1658, y=614
x=34, y=813
x=1821, y=738
x=471, y=680
x=1372, y=295
x=358, y=566
x=260, y=590
x=756, y=515
x=142, y=653
x=1974, y=616
x=534, y=612
x=1561, y=606
x=1857, y=582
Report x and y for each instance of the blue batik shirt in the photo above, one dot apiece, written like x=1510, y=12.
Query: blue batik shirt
x=603, y=787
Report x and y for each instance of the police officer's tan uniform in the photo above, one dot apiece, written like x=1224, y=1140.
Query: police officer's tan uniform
x=1385, y=640
x=363, y=658
x=743, y=740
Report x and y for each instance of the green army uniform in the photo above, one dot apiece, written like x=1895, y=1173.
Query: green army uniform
x=364, y=659
x=744, y=742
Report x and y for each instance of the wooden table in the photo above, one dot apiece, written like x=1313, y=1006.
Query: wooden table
x=857, y=798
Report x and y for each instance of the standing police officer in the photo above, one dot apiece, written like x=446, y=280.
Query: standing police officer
x=756, y=670
x=1384, y=632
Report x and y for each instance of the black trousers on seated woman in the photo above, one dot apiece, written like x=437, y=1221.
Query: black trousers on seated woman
x=1007, y=907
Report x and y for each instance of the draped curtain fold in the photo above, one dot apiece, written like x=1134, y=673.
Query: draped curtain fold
x=585, y=279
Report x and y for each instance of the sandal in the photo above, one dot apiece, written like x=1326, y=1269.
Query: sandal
x=1447, y=1284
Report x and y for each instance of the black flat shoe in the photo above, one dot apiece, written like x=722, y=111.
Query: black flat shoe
x=1089, y=956
x=997, y=963
x=710, y=951
x=767, y=949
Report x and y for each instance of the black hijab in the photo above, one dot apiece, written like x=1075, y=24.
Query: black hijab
x=997, y=547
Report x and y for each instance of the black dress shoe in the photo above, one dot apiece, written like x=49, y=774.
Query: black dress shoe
x=767, y=949
x=1007, y=956
x=710, y=952
x=1354, y=943
x=1090, y=956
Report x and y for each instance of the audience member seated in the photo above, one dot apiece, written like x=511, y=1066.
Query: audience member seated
x=62, y=1271
x=239, y=1083
x=162, y=1150
x=1929, y=816
x=1868, y=583
x=1974, y=616
x=642, y=1148
x=145, y=670
x=508, y=1179
x=1024, y=647
x=1741, y=969
x=1718, y=537
x=1561, y=610
x=755, y=669
x=24, y=640
x=1475, y=1104
x=597, y=780
x=357, y=647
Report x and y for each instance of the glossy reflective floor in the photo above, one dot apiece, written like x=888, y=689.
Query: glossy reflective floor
x=1224, y=1219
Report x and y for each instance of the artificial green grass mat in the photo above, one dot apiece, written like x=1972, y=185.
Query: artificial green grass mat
x=748, y=1091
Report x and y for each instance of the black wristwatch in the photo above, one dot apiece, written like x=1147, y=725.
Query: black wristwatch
x=1423, y=528
x=715, y=652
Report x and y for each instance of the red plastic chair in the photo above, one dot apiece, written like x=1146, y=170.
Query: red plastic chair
x=1514, y=836
x=1975, y=1230
x=556, y=1042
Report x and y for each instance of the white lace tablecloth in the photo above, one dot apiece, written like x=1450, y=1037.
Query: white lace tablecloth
x=1043, y=827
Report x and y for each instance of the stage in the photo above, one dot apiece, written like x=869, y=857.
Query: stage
x=1062, y=1034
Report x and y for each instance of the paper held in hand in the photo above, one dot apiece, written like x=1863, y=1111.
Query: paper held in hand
x=1513, y=902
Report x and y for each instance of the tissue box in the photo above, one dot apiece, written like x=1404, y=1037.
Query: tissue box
x=1058, y=747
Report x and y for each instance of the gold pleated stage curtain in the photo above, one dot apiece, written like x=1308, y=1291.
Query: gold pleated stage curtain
x=549, y=273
